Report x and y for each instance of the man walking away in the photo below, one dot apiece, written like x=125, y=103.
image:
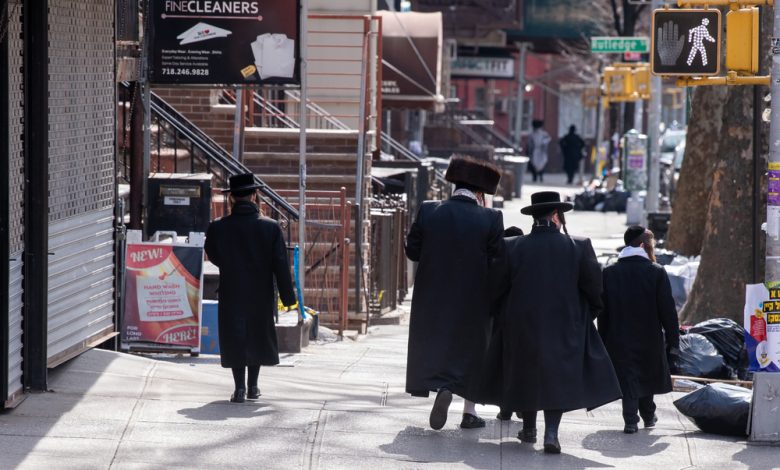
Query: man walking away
x=639, y=313
x=571, y=148
x=554, y=359
x=454, y=243
x=250, y=253
x=538, y=143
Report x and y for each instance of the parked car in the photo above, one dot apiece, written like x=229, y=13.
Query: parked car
x=672, y=147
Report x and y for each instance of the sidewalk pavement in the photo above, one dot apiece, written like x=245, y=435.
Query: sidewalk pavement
x=337, y=405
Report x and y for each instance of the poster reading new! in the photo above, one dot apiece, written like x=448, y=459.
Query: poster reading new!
x=162, y=294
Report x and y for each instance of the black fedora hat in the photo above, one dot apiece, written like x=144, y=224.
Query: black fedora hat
x=545, y=202
x=243, y=183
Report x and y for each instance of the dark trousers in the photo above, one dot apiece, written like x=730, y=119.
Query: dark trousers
x=239, y=375
x=552, y=419
x=536, y=173
x=645, y=406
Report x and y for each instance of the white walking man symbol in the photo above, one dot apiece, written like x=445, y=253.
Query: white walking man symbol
x=697, y=35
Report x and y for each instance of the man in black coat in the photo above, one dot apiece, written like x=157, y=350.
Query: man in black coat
x=250, y=252
x=554, y=359
x=454, y=243
x=639, y=313
x=571, y=148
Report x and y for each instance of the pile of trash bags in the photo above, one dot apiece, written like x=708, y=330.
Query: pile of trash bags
x=600, y=199
x=713, y=349
x=718, y=409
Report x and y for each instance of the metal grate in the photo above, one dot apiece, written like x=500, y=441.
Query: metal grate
x=16, y=119
x=16, y=197
x=81, y=107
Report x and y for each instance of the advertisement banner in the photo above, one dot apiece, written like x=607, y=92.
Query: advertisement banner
x=234, y=42
x=762, y=326
x=163, y=294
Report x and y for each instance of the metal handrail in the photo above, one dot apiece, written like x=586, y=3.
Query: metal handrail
x=213, y=151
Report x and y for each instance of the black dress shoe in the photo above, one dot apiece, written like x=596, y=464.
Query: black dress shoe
x=238, y=396
x=552, y=446
x=527, y=435
x=471, y=422
x=440, y=408
x=253, y=393
x=504, y=415
x=649, y=423
x=631, y=428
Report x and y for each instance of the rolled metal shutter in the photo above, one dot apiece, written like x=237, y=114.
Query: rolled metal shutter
x=15, y=199
x=81, y=176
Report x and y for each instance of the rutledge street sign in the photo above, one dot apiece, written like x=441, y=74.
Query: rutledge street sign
x=619, y=45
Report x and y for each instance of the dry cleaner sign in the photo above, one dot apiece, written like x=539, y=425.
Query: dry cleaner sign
x=224, y=42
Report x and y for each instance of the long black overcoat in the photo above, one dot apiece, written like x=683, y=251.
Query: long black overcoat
x=639, y=313
x=553, y=356
x=454, y=243
x=250, y=252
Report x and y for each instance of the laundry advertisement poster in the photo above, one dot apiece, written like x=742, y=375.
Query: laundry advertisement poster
x=163, y=294
x=209, y=42
x=762, y=326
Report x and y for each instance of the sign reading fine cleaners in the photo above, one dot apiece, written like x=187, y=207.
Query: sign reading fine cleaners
x=224, y=42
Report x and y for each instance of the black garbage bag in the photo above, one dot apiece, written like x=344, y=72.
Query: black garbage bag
x=699, y=358
x=728, y=337
x=615, y=201
x=718, y=408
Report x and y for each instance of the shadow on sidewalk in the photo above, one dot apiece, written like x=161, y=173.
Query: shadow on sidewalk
x=223, y=410
x=466, y=447
x=615, y=443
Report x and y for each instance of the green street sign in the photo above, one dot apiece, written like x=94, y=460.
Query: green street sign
x=619, y=45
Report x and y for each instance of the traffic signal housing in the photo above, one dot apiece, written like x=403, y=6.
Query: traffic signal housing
x=742, y=27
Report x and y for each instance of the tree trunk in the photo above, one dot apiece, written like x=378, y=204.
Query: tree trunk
x=727, y=248
x=689, y=215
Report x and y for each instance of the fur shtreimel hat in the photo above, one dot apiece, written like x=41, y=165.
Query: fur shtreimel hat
x=477, y=173
x=633, y=232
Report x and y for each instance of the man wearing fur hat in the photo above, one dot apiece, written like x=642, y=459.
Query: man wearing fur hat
x=454, y=242
x=639, y=326
x=554, y=359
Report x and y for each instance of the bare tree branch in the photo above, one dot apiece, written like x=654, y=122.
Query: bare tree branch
x=616, y=17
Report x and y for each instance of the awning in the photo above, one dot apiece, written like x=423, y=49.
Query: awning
x=411, y=60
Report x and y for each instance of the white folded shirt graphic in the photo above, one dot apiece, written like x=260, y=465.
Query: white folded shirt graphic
x=274, y=55
x=202, y=32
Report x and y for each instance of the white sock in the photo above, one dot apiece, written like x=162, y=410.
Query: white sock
x=469, y=408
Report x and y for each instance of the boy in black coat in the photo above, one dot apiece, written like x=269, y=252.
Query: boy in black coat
x=639, y=314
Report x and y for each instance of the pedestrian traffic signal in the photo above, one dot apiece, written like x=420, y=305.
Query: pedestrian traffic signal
x=742, y=40
x=626, y=81
x=686, y=42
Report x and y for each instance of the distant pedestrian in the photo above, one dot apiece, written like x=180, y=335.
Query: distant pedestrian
x=571, y=148
x=639, y=326
x=554, y=359
x=454, y=242
x=538, y=143
x=251, y=255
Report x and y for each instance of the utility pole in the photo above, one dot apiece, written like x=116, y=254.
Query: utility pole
x=772, y=272
x=523, y=48
x=653, y=123
x=302, y=123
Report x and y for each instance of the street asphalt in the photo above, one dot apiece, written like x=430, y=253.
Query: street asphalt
x=338, y=405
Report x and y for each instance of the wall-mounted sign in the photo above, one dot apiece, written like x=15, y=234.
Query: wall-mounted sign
x=224, y=42
x=619, y=45
x=483, y=67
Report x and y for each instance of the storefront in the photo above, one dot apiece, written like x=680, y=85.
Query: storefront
x=58, y=189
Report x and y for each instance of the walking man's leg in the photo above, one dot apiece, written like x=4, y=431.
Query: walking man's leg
x=470, y=418
x=630, y=417
x=528, y=433
x=239, y=377
x=440, y=408
x=252, y=390
x=552, y=419
x=647, y=411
